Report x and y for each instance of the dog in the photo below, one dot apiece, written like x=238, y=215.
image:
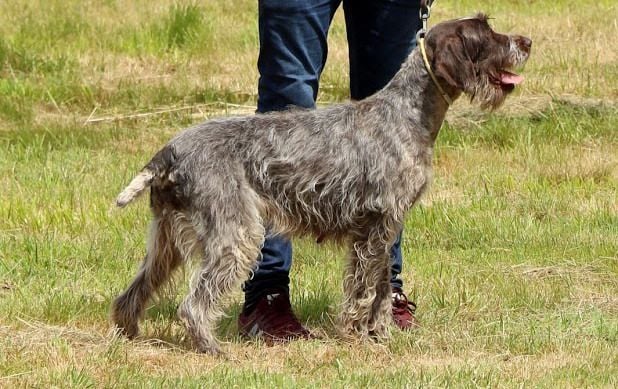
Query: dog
x=348, y=173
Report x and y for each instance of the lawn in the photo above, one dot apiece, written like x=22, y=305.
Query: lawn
x=512, y=256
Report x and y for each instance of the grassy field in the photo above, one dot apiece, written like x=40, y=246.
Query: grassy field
x=512, y=257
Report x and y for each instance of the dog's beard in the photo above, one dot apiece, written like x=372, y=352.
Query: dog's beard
x=494, y=83
x=487, y=93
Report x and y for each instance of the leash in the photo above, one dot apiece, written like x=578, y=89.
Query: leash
x=425, y=11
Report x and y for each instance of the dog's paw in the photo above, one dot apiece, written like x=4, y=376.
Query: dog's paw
x=123, y=327
x=128, y=331
x=209, y=348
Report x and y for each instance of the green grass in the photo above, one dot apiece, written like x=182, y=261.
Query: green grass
x=511, y=257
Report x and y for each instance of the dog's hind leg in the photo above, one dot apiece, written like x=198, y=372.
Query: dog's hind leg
x=162, y=257
x=231, y=251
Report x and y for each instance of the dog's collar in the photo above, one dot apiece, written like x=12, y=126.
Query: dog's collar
x=446, y=97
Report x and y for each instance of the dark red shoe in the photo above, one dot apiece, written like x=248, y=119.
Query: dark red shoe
x=272, y=319
x=403, y=311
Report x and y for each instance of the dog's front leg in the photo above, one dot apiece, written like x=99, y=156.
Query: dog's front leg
x=366, y=310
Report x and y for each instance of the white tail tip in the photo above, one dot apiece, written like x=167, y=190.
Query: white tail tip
x=135, y=188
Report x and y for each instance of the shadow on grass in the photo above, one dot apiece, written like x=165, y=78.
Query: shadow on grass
x=162, y=327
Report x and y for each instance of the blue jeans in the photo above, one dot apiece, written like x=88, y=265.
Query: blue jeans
x=293, y=49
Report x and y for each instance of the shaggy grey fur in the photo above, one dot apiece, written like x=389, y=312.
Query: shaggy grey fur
x=349, y=173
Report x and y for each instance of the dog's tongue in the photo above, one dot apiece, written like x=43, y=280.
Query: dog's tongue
x=510, y=78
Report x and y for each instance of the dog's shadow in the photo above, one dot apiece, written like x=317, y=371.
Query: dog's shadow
x=161, y=326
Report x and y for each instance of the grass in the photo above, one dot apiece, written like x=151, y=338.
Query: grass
x=511, y=257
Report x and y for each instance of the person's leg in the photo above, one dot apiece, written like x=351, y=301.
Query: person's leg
x=293, y=50
x=292, y=55
x=381, y=35
x=397, y=260
x=403, y=309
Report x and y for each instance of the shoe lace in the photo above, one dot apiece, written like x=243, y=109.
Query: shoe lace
x=402, y=305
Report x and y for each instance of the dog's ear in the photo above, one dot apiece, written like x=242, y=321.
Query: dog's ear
x=453, y=60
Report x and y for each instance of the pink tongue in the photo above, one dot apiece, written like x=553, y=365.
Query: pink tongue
x=510, y=78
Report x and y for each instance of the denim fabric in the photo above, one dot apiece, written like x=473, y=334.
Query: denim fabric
x=293, y=51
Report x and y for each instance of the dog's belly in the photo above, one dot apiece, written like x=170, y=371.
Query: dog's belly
x=332, y=219
x=331, y=204
x=309, y=216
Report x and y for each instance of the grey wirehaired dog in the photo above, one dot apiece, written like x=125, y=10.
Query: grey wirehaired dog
x=348, y=172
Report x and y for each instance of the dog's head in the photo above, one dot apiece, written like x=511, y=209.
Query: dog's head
x=468, y=56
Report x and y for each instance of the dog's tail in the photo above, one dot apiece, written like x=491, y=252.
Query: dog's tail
x=158, y=167
x=142, y=181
